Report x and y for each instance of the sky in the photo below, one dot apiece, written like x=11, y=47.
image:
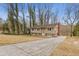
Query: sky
x=60, y=7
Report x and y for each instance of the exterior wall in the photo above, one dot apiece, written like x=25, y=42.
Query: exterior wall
x=57, y=30
x=45, y=31
x=1, y=25
x=65, y=30
x=1, y=29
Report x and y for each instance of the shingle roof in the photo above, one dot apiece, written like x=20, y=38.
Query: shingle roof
x=44, y=26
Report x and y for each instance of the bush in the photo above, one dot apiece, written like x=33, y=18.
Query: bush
x=76, y=30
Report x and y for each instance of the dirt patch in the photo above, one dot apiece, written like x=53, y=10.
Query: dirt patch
x=70, y=47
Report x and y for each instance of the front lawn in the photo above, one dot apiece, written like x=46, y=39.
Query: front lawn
x=11, y=39
x=69, y=47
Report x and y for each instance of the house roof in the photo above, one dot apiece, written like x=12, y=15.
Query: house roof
x=44, y=26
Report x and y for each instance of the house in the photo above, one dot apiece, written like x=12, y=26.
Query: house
x=50, y=29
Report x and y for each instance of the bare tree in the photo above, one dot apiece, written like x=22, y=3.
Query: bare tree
x=48, y=13
x=44, y=13
x=30, y=16
x=10, y=19
x=33, y=15
x=70, y=18
x=54, y=17
x=23, y=16
x=16, y=16
x=1, y=24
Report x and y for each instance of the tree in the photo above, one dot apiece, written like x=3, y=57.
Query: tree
x=34, y=15
x=23, y=16
x=44, y=13
x=17, y=15
x=76, y=27
x=12, y=20
x=11, y=23
x=70, y=18
x=41, y=15
x=30, y=17
x=48, y=14
x=5, y=27
x=76, y=30
x=54, y=18
x=1, y=25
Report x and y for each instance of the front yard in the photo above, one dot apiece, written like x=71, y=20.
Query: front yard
x=11, y=39
x=69, y=47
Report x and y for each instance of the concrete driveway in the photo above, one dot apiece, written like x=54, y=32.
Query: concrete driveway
x=34, y=48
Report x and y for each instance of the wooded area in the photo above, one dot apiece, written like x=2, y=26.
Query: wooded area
x=16, y=24
x=43, y=15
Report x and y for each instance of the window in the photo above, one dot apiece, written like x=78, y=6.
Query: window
x=38, y=29
x=32, y=29
x=49, y=29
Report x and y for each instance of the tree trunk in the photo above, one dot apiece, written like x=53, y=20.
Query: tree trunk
x=71, y=30
x=17, y=20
